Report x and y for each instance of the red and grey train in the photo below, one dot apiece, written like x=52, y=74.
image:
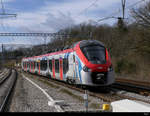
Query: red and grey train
x=86, y=63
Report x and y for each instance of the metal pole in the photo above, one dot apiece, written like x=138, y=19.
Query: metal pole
x=45, y=44
x=86, y=100
x=3, y=62
x=91, y=34
x=123, y=7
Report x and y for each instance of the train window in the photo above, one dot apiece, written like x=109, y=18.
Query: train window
x=31, y=65
x=34, y=64
x=28, y=65
x=65, y=65
x=37, y=65
x=23, y=64
x=94, y=53
x=43, y=65
x=57, y=66
x=73, y=58
x=50, y=65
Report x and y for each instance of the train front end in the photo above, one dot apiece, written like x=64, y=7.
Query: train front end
x=97, y=68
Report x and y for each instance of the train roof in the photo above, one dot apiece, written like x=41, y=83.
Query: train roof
x=82, y=43
x=90, y=42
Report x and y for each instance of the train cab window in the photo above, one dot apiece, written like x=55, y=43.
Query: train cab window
x=94, y=53
x=43, y=65
x=50, y=65
x=57, y=66
x=65, y=65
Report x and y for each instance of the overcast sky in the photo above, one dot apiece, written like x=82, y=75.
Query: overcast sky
x=52, y=15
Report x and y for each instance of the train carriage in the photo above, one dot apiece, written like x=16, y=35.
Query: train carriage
x=86, y=63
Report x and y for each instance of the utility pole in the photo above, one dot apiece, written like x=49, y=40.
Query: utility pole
x=3, y=59
x=4, y=13
x=45, y=43
x=86, y=100
x=123, y=8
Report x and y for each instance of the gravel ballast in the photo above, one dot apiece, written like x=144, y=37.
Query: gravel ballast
x=28, y=98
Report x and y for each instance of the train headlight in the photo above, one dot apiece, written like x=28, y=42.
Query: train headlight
x=110, y=68
x=86, y=69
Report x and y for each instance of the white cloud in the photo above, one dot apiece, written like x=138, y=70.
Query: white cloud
x=57, y=15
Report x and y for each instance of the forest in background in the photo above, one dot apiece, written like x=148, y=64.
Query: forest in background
x=128, y=43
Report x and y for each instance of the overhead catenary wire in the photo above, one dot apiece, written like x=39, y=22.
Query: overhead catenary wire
x=88, y=7
x=115, y=13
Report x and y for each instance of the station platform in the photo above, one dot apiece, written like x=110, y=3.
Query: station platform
x=130, y=106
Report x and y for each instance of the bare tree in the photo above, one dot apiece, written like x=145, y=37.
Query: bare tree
x=142, y=15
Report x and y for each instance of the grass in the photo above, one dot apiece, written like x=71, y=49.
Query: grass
x=95, y=106
x=50, y=84
x=43, y=81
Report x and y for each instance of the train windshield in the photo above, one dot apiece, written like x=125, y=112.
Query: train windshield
x=95, y=54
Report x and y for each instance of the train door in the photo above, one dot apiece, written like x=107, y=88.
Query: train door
x=26, y=66
x=50, y=68
x=74, y=64
x=53, y=67
x=71, y=72
x=33, y=67
x=30, y=66
x=39, y=67
x=61, y=68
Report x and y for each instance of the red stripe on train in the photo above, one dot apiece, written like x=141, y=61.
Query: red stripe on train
x=39, y=67
x=53, y=67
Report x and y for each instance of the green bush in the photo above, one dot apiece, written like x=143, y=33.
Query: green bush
x=126, y=66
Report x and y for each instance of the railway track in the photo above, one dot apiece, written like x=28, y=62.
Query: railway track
x=4, y=76
x=142, y=88
x=7, y=84
x=105, y=96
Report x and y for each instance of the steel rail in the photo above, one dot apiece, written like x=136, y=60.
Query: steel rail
x=5, y=77
x=4, y=104
x=133, y=86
